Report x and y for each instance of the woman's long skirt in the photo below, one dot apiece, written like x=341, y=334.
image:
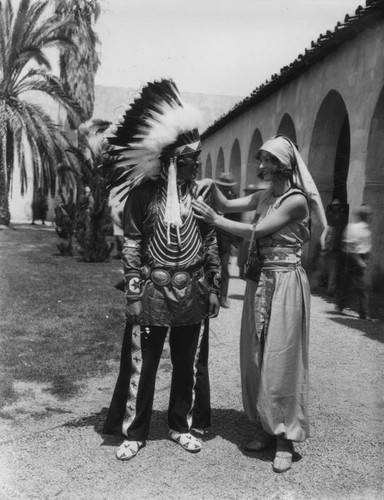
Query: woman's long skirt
x=274, y=353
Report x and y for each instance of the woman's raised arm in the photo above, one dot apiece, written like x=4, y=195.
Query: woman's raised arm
x=293, y=207
x=221, y=202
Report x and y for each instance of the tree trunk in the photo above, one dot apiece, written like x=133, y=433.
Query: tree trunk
x=5, y=216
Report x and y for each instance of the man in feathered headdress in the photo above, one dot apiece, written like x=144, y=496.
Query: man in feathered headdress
x=171, y=267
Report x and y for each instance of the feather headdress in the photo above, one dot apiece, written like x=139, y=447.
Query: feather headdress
x=155, y=129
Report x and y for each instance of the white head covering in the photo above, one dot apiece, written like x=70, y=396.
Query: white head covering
x=286, y=152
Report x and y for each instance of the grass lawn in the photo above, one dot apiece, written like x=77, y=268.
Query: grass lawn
x=61, y=319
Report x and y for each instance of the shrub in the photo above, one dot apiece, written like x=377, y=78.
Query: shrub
x=65, y=223
x=94, y=225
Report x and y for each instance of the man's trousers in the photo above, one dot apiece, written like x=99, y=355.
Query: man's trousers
x=189, y=402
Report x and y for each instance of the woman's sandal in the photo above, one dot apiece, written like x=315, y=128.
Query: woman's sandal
x=186, y=441
x=283, y=457
x=129, y=449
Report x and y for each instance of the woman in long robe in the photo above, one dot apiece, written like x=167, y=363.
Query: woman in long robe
x=275, y=322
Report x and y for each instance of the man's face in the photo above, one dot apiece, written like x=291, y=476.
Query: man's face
x=187, y=167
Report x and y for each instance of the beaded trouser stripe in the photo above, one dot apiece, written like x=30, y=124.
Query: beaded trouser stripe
x=189, y=416
x=136, y=357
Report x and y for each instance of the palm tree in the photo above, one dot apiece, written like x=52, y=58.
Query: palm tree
x=78, y=69
x=25, y=127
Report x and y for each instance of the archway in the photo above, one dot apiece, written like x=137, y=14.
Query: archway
x=329, y=153
x=341, y=168
x=208, y=166
x=253, y=163
x=374, y=190
x=287, y=128
x=235, y=162
x=220, y=163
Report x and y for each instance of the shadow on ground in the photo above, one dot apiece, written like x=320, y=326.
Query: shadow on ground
x=372, y=330
x=349, y=317
x=236, y=296
x=230, y=425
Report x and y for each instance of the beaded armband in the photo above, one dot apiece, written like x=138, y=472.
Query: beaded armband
x=133, y=287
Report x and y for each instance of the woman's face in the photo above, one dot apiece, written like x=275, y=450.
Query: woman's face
x=266, y=167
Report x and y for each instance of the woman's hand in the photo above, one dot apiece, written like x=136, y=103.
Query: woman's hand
x=202, y=187
x=203, y=211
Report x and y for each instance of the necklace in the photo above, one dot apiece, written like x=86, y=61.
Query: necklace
x=276, y=195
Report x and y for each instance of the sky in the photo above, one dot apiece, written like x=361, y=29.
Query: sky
x=220, y=47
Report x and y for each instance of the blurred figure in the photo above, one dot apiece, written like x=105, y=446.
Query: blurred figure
x=332, y=255
x=39, y=207
x=227, y=243
x=356, y=247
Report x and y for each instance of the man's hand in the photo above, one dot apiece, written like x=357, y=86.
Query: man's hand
x=133, y=312
x=214, y=305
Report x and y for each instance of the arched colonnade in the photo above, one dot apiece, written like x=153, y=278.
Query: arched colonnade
x=334, y=112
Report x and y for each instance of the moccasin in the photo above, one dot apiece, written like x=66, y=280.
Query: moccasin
x=186, y=441
x=129, y=449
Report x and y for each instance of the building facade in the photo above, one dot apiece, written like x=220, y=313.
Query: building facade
x=330, y=102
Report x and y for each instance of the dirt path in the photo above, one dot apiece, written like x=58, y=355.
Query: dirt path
x=60, y=452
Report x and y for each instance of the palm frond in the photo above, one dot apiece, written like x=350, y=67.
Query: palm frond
x=3, y=34
x=19, y=23
x=36, y=17
x=48, y=144
x=41, y=81
x=67, y=176
x=33, y=54
x=54, y=34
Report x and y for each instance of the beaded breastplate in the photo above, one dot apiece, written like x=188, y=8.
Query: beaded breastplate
x=170, y=246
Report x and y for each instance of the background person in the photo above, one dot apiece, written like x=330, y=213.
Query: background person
x=39, y=207
x=275, y=322
x=356, y=247
x=337, y=219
